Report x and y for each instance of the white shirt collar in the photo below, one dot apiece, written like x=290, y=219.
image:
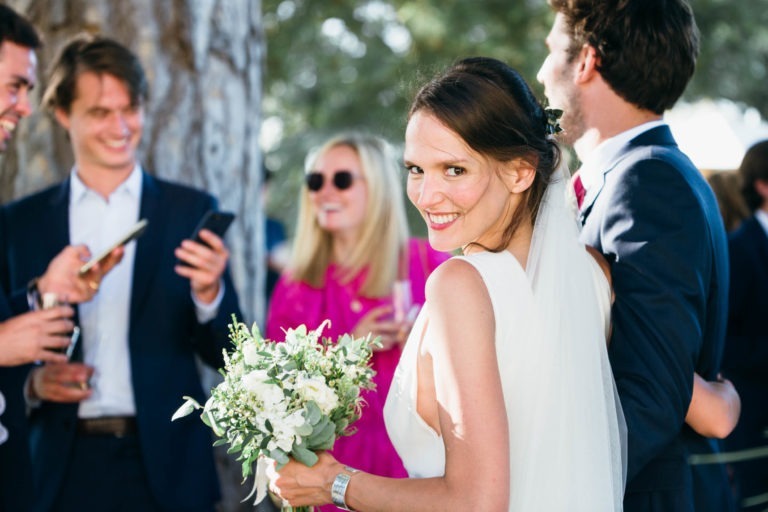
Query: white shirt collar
x=592, y=168
x=131, y=185
x=762, y=218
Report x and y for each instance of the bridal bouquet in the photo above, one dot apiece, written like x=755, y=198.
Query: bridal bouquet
x=285, y=399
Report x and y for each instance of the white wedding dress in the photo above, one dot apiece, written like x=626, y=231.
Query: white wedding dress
x=567, y=433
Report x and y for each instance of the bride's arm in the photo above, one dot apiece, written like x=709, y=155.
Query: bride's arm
x=714, y=409
x=469, y=412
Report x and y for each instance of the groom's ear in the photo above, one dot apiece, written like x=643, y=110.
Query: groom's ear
x=518, y=175
x=587, y=63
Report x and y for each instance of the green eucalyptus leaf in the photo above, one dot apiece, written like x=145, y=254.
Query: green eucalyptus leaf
x=323, y=435
x=313, y=412
x=247, y=468
x=305, y=430
x=306, y=457
x=280, y=457
x=211, y=422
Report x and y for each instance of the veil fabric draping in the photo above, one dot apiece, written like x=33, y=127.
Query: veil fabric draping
x=576, y=461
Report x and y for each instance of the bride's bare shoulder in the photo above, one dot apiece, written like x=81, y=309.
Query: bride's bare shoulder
x=452, y=272
x=455, y=280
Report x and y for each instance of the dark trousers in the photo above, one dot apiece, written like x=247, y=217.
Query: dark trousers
x=105, y=474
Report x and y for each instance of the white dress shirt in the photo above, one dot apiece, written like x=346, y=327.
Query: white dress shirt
x=594, y=166
x=97, y=222
x=105, y=321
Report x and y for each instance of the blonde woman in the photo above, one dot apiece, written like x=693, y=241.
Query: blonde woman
x=354, y=263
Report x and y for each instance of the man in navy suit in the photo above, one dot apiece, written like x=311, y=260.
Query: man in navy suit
x=745, y=358
x=100, y=429
x=30, y=335
x=614, y=68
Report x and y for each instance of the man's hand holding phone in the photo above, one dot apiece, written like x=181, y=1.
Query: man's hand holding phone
x=64, y=279
x=203, y=257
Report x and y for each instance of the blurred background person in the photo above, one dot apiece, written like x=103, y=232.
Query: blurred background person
x=100, y=431
x=30, y=336
x=745, y=356
x=727, y=188
x=354, y=263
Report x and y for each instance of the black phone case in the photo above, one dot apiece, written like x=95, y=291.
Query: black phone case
x=218, y=222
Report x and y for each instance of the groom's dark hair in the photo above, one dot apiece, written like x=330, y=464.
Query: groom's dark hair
x=647, y=49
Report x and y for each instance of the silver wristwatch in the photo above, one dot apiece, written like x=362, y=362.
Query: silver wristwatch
x=339, y=488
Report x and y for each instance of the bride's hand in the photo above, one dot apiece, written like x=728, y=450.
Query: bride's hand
x=299, y=485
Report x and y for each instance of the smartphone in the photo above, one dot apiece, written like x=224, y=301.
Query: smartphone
x=134, y=233
x=217, y=222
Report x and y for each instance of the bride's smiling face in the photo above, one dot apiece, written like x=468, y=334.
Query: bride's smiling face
x=462, y=195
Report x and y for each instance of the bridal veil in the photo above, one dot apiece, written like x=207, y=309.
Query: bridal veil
x=577, y=459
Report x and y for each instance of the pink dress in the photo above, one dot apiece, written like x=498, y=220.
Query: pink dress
x=296, y=303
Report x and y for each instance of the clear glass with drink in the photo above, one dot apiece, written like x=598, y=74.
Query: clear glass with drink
x=52, y=300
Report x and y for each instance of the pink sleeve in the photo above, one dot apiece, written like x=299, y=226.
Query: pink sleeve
x=291, y=305
x=423, y=259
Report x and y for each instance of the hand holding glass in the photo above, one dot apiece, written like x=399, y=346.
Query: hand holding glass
x=52, y=300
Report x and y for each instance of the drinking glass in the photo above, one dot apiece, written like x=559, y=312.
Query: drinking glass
x=402, y=301
x=51, y=300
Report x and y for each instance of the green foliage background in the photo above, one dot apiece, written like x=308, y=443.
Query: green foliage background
x=325, y=76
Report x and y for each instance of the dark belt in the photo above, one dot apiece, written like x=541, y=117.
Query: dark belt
x=118, y=426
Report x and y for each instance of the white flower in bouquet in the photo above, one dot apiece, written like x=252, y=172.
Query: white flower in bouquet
x=314, y=388
x=286, y=399
x=259, y=384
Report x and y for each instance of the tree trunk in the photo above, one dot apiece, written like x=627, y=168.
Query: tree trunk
x=203, y=59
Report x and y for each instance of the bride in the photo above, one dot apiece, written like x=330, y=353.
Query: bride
x=504, y=398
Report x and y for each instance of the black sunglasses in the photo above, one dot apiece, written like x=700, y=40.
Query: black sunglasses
x=342, y=180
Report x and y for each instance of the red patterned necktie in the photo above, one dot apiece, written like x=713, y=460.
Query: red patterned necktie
x=579, y=189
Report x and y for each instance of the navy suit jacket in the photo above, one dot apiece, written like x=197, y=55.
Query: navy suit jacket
x=15, y=468
x=657, y=222
x=745, y=359
x=164, y=337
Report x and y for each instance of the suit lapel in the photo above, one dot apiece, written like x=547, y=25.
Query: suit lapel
x=590, y=196
x=57, y=237
x=145, y=263
x=659, y=136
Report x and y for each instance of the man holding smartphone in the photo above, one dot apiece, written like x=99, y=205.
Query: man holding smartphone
x=36, y=335
x=101, y=425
